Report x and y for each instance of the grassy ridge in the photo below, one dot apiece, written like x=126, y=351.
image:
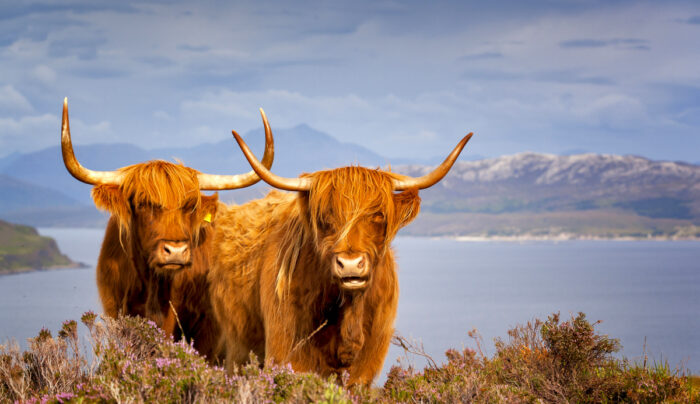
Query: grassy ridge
x=550, y=361
x=23, y=249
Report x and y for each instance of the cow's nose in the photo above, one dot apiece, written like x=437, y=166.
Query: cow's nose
x=351, y=265
x=352, y=271
x=175, y=251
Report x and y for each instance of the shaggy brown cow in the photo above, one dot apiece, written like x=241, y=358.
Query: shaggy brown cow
x=309, y=277
x=154, y=256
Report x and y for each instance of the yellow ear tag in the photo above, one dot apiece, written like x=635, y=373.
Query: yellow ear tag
x=207, y=218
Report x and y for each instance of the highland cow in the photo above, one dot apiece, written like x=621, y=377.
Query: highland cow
x=155, y=254
x=309, y=278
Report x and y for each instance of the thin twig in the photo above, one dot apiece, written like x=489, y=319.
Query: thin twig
x=412, y=348
x=178, y=319
x=303, y=341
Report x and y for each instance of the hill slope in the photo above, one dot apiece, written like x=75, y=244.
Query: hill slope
x=549, y=195
x=23, y=249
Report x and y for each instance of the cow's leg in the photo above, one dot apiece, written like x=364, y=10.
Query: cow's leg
x=369, y=362
x=169, y=322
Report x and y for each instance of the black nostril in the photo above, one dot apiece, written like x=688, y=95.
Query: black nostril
x=340, y=264
x=166, y=249
x=361, y=264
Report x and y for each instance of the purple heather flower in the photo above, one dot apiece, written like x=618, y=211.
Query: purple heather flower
x=64, y=396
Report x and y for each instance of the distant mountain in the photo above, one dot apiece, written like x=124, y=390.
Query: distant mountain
x=518, y=194
x=299, y=149
x=587, y=193
x=26, y=203
x=17, y=194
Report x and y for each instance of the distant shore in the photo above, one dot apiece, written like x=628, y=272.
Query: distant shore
x=563, y=237
x=24, y=270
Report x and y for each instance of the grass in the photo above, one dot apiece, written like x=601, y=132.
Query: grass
x=550, y=361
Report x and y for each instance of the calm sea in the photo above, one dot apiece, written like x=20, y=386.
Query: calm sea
x=642, y=291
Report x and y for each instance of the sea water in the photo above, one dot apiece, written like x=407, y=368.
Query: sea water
x=646, y=293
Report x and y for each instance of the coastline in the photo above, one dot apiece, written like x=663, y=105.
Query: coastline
x=564, y=237
x=24, y=270
x=551, y=238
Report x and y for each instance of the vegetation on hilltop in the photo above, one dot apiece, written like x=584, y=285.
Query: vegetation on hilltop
x=23, y=249
x=598, y=224
x=543, y=361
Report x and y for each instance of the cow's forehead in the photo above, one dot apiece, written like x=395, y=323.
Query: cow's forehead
x=351, y=190
x=161, y=183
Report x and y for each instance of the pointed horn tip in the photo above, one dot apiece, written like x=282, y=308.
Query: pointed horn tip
x=236, y=136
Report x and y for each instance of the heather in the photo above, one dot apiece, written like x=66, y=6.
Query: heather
x=130, y=360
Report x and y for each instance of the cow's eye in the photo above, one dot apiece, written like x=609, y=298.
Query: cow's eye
x=377, y=218
x=188, y=207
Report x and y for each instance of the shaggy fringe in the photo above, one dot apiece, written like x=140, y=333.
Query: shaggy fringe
x=157, y=183
x=323, y=205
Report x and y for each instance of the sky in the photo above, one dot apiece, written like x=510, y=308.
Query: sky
x=402, y=78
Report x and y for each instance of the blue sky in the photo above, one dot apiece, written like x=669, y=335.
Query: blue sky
x=405, y=79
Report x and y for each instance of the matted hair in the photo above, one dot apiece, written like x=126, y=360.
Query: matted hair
x=352, y=192
x=161, y=183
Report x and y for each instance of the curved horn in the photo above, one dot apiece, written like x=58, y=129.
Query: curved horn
x=289, y=184
x=436, y=175
x=211, y=182
x=78, y=171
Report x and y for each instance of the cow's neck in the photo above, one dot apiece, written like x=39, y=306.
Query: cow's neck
x=156, y=296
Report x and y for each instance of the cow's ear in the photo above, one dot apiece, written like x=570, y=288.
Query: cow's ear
x=111, y=199
x=209, y=205
x=407, y=206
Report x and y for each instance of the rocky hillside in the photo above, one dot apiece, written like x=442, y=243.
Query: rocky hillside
x=586, y=194
x=23, y=249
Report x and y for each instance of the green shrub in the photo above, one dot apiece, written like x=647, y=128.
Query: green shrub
x=551, y=362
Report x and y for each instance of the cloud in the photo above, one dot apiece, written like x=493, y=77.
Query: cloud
x=480, y=56
x=98, y=72
x=28, y=132
x=84, y=48
x=584, y=43
x=161, y=115
x=12, y=101
x=156, y=61
x=571, y=77
x=36, y=21
x=614, y=111
x=694, y=20
x=539, y=75
x=32, y=132
x=621, y=43
x=13, y=127
x=44, y=74
x=194, y=48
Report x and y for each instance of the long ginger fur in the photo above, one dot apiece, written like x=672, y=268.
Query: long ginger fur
x=158, y=200
x=271, y=286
